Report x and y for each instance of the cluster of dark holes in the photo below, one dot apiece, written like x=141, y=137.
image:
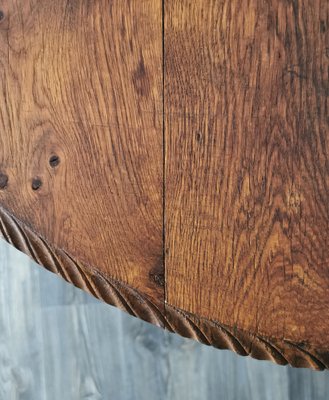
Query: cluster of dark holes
x=36, y=182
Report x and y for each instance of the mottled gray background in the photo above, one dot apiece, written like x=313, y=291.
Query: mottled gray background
x=59, y=343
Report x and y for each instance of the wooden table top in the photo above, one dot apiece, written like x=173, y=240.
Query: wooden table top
x=171, y=157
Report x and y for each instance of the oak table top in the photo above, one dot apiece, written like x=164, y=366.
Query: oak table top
x=171, y=157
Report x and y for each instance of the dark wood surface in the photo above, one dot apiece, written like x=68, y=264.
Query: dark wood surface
x=171, y=158
x=82, y=81
x=247, y=164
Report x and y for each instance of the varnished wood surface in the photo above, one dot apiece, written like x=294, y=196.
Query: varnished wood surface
x=82, y=81
x=56, y=342
x=247, y=164
x=171, y=158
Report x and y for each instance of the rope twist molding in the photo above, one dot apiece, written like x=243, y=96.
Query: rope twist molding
x=128, y=299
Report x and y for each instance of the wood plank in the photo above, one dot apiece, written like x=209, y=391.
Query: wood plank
x=246, y=144
x=69, y=337
x=81, y=130
x=22, y=359
x=247, y=165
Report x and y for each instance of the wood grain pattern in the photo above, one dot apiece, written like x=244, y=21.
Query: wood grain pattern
x=53, y=334
x=81, y=131
x=247, y=164
x=171, y=158
x=171, y=318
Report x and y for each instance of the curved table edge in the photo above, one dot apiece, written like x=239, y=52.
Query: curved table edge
x=175, y=320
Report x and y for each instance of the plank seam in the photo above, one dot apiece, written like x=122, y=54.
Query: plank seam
x=128, y=299
x=164, y=159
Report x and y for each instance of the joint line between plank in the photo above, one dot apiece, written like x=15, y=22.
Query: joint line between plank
x=163, y=155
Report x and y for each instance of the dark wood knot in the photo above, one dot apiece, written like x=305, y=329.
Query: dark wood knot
x=158, y=278
x=3, y=180
x=36, y=183
x=54, y=161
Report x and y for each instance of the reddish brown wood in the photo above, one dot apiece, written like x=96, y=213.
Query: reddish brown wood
x=81, y=130
x=247, y=165
x=171, y=158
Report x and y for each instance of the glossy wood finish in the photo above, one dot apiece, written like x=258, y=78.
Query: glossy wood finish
x=171, y=158
x=81, y=81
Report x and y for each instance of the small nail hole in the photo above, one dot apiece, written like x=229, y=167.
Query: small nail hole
x=199, y=137
x=36, y=184
x=3, y=181
x=54, y=161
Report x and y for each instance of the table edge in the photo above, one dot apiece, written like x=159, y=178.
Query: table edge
x=166, y=316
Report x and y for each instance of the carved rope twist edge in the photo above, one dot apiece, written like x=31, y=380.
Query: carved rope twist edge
x=126, y=298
